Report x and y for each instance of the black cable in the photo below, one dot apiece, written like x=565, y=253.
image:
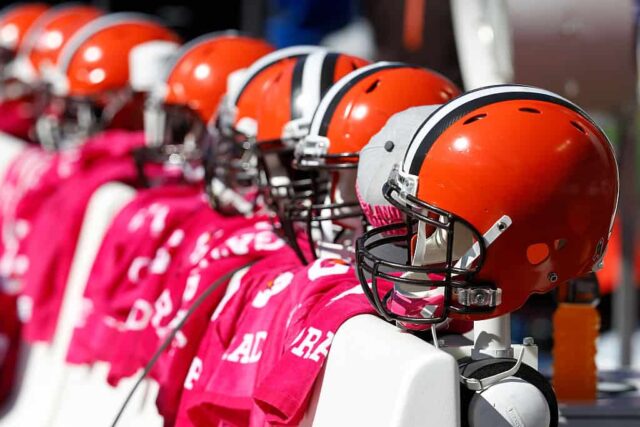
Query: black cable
x=215, y=285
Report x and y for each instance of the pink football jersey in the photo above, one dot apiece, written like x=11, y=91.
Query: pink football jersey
x=244, y=244
x=54, y=231
x=125, y=257
x=156, y=302
x=268, y=314
x=226, y=322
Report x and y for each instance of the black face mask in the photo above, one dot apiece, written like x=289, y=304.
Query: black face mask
x=230, y=163
x=385, y=253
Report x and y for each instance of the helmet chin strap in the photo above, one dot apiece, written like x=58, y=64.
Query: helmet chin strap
x=432, y=249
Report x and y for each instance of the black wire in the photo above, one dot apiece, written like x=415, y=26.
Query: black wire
x=215, y=285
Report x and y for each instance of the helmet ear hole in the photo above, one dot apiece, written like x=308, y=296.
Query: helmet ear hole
x=578, y=126
x=537, y=253
x=372, y=86
x=529, y=110
x=474, y=119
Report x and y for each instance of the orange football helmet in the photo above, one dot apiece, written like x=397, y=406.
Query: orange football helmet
x=15, y=22
x=232, y=164
x=47, y=37
x=179, y=109
x=284, y=117
x=507, y=191
x=90, y=82
x=352, y=111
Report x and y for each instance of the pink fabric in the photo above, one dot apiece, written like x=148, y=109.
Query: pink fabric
x=28, y=181
x=53, y=233
x=283, y=393
x=379, y=216
x=228, y=322
x=267, y=318
x=156, y=305
x=240, y=245
x=124, y=258
x=17, y=118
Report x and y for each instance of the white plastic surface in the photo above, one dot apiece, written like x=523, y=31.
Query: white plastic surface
x=10, y=147
x=148, y=64
x=512, y=402
x=379, y=376
x=45, y=375
x=493, y=336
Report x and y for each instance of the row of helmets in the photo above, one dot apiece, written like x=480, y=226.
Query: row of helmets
x=468, y=203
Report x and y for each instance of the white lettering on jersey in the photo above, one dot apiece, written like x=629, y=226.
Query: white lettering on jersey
x=232, y=288
x=163, y=308
x=176, y=238
x=249, y=350
x=25, y=308
x=356, y=290
x=325, y=267
x=139, y=315
x=138, y=263
x=191, y=287
x=201, y=248
x=195, y=370
x=161, y=261
x=278, y=285
x=307, y=349
x=159, y=218
x=179, y=339
x=268, y=241
x=156, y=213
x=239, y=244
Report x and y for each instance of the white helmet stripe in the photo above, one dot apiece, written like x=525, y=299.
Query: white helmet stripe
x=264, y=62
x=417, y=148
x=340, y=86
x=310, y=90
x=93, y=27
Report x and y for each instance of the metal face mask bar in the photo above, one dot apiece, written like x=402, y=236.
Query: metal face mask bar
x=461, y=293
x=230, y=161
x=175, y=136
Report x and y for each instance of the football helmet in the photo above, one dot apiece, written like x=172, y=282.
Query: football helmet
x=284, y=116
x=39, y=53
x=15, y=23
x=506, y=191
x=90, y=81
x=231, y=164
x=179, y=108
x=351, y=112
x=46, y=39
